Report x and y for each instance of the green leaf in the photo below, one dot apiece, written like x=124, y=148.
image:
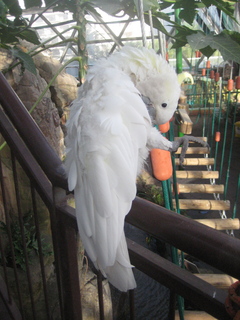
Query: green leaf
x=156, y=23
x=165, y=5
x=225, y=6
x=197, y=41
x=207, y=51
x=7, y=35
x=162, y=15
x=179, y=44
x=147, y=4
x=25, y=59
x=229, y=48
x=233, y=35
x=189, y=11
x=30, y=35
x=14, y=8
x=181, y=35
x=3, y=11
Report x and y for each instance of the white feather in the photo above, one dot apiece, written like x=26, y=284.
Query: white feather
x=109, y=136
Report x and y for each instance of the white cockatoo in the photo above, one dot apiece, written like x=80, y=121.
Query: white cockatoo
x=109, y=135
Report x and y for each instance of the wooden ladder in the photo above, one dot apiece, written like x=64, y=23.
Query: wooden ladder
x=197, y=158
x=205, y=186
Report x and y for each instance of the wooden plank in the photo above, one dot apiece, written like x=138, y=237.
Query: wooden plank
x=221, y=281
x=202, y=138
x=184, y=115
x=185, y=122
x=198, y=204
x=194, y=150
x=185, y=174
x=195, y=315
x=221, y=224
x=200, y=188
x=196, y=161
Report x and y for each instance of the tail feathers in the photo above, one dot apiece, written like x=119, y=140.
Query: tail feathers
x=120, y=274
x=121, y=277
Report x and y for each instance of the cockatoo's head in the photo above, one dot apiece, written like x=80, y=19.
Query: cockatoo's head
x=163, y=90
x=153, y=77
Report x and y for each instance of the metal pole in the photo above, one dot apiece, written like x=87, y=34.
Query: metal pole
x=151, y=28
x=178, y=50
x=141, y=17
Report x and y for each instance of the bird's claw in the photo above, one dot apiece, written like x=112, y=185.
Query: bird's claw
x=184, y=141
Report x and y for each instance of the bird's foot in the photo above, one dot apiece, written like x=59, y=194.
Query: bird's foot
x=184, y=142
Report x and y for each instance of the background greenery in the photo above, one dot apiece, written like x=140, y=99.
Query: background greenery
x=14, y=27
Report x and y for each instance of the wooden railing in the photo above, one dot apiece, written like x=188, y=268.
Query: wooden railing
x=47, y=178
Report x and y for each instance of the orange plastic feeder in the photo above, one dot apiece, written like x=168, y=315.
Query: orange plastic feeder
x=230, y=84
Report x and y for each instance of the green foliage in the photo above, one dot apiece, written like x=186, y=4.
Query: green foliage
x=151, y=193
x=224, y=42
x=13, y=30
x=30, y=239
x=26, y=59
x=13, y=7
x=188, y=11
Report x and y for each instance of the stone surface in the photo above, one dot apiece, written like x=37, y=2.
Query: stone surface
x=47, y=115
x=6, y=59
x=64, y=88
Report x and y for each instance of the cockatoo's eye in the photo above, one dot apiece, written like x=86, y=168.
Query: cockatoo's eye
x=164, y=105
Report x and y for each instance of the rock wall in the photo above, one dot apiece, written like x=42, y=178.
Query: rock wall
x=50, y=115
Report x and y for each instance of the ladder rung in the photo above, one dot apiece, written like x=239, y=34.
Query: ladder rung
x=195, y=315
x=202, y=138
x=196, y=161
x=185, y=122
x=221, y=224
x=185, y=174
x=198, y=204
x=221, y=281
x=194, y=150
x=200, y=188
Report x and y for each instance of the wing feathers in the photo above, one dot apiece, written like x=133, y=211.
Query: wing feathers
x=108, y=126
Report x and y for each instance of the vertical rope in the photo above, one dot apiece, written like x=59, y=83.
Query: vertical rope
x=151, y=28
x=230, y=154
x=141, y=16
x=236, y=199
x=213, y=122
x=225, y=136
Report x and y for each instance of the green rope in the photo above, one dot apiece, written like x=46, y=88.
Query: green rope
x=213, y=121
x=225, y=137
x=171, y=134
x=236, y=199
x=218, y=129
x=230, y=154
x=167, y=194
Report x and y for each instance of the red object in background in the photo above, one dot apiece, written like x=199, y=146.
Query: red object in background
x=217, y=136
x=230, y=84
x=237, y=86
x=217, y=76
x=203, y=72
x=208, y=64
x=197, y=54
x=212, y=74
